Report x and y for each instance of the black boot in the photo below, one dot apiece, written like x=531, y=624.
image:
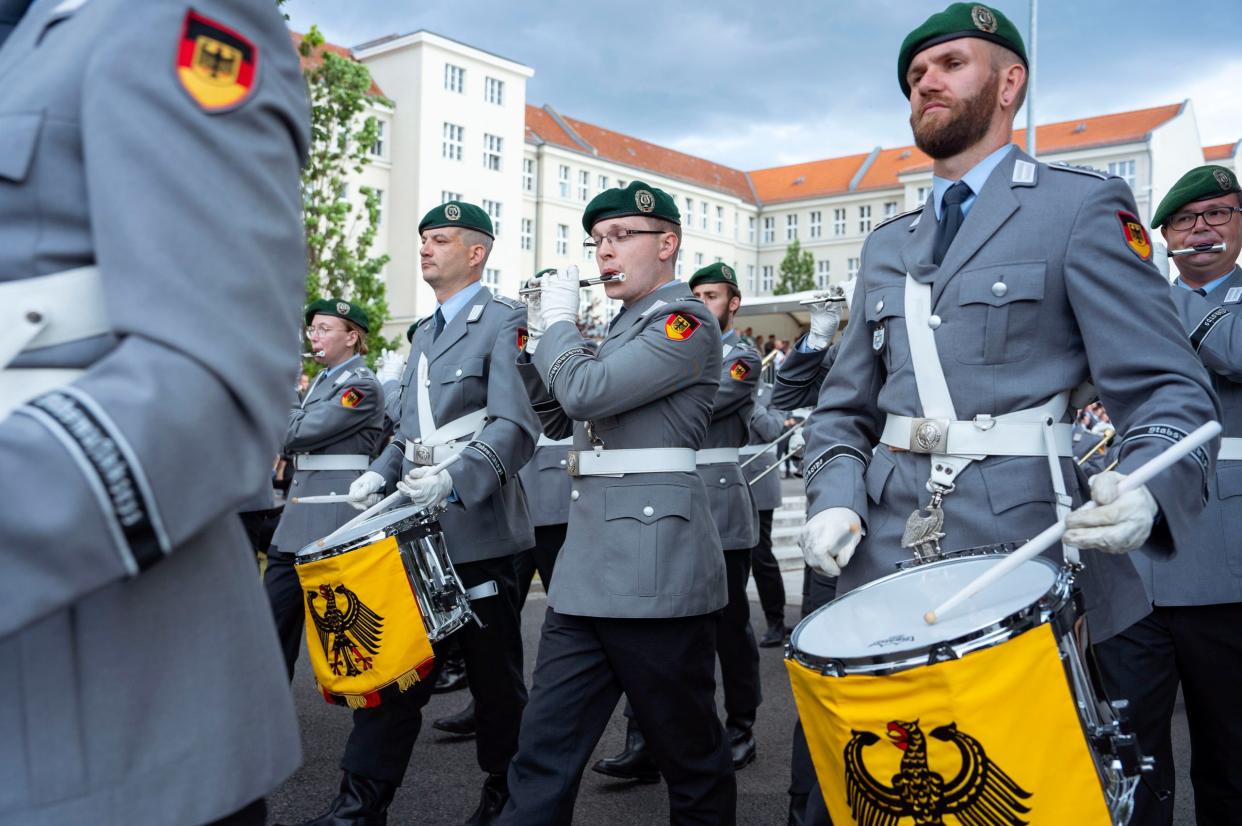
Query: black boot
x=740, y=731
x=797, y=808
x=774, y=636
x=634, y=762
x=363, y=801
x=452, y=675
x=461, y=723
x=495, y=796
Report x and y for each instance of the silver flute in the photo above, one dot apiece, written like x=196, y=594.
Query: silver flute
x=1197, y=249
x=833, y=294
x=582, y=282
x=315, y=354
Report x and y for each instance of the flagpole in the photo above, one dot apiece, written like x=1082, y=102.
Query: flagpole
x=1030, y=83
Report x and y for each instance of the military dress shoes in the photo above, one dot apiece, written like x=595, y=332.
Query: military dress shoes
x=452, y=676
x=774, y=636
x=462, y=723
x=495, y=796
x=362, y=801
x=633, y=763
x=740, y=731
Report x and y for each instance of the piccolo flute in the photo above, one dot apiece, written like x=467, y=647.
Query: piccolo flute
x=1197, y=249
x=833, y=294
x=582, y=282
x=315, y=354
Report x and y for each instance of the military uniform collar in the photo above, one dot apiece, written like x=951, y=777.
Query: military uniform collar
x=468, y=312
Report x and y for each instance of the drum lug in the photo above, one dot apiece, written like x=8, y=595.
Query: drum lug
x=835, y=668
x=941, y=652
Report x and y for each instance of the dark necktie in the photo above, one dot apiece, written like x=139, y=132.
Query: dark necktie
x=950, y=219
x=439, y=325
x=1201, y=292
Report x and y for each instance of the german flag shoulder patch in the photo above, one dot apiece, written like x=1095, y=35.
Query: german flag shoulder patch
x=352, y=397
x=1135, y=235
x=216, y=65
x=739, y=370
x=522, y=336
x=680, y=326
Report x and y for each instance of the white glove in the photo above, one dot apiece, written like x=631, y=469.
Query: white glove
x=534, y=317
x=391, y=365
x=824, y=320
x=1119, y=523
x=829, y=539
x=559, y=297
x=426, y=489
x=365, y=490
x=796, y=441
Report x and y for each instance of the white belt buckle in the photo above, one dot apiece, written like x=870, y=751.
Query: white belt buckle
x=929, y=435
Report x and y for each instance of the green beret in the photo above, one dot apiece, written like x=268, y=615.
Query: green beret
x=636, y=199
x=958, y=20
x=409, y=331
x=1201, y=182
x=340, y=309
x=458, y=214
x=718, y=273
x=542, y=273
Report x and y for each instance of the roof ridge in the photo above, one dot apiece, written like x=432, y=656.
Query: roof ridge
x=569, y=130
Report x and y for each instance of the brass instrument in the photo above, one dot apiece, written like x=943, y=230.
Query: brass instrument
x=768, y=359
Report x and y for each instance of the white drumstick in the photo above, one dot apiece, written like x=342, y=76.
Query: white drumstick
x=328, y=499
x=1141, y=476
x=383, y=504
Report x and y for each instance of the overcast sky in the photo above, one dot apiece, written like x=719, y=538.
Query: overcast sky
x=758, y=84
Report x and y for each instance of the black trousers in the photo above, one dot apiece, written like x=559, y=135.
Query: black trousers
x=1199, y=647
x=736, y=647
x=767, y=570
x=284, y=593
x=666, y=667
x=253, y=815
x=261, y=527
x=383, y=737
x=541, y=557
x=817, y=590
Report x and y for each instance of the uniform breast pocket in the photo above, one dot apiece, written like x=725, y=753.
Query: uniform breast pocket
x=1229, y=489
x=465, y=383
x=19, y=135
x=648, y=530
x=886, y=319
x=999, y=310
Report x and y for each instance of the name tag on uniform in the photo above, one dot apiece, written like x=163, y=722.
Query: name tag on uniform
x=1234, y=295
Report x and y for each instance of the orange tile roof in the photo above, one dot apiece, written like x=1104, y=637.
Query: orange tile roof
x=807, y=180
x=1221, y=151
x=542, y=126
x=889, y=164
x=1103, y=130
x=316, y=57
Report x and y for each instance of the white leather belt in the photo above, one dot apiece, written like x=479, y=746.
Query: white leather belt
x=639, y=460
x=984, y=436
x=751, y=450
x=1230, y=449
x=20, y=385
x=441, y=443
x=331, y=461
x=544, y=441
x=431, y=454
x=716, y=455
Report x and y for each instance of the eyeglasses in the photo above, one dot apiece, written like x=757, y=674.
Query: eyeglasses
x=320, y=330
x=1214, y=217
x=617, y=236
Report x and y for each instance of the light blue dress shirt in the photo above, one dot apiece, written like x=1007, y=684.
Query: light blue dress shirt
x=449, y=309
x=975, y=179
x=1208, y=287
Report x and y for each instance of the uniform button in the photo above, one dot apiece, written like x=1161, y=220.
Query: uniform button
x=458, y=373
x=723, y=480
x=295, y=482
x=933, y=321
x=426, y=382
x=1000, y=288
x=563, y=463
x=648, y=511
x=574, y=495
x=879, y=305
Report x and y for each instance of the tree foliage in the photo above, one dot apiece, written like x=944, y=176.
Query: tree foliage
x=797, y=271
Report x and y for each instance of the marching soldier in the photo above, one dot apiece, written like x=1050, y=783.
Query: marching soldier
x=145, y=367
x=766, y=425
x=803, y=371
x=631, y=608
x=460, y=396
x=332, y=434
x=1190, y=638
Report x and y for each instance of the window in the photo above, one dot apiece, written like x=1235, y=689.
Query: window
x=769, y=229
x=379, y=207
x=562, y=179
x=493, y=209
x=864, y=219
x=688, y=218
x=454, y=140
x=821, y=274
x=493, y=146
x=720, y=220
x=528, y=174
x=750, y=229
x=620, y=183
x=851, y=267
x=750, y=278
x=584, y=185
x=890, y=209
x=838, y=222
x=703, y=216
x=528, y=234
x=791, y=227
x=491, y=277
x=768, y=280
x=679, y=266
x=378, y=148
x=601, y=183
x=446, y=196
x=817, y=224
x=454, y=78
x=494, y=91
x=562, y=238
x=923, y=195
x=1123, y=170
x=698, y=260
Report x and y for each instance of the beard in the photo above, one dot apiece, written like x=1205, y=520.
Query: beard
x=969, y=121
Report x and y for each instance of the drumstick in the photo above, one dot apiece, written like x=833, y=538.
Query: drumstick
x=1141, y=476
x=328, y=499
x=383, y=504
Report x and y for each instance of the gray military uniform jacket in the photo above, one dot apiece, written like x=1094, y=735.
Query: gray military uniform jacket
x=766, y=425
x=545, y=479
x=1208, y=566
x=471, y=366
x=639, y=545
x=342, y=415
x=733, y=508
x=142, y=678
x=801, y=375
x=1076, y=302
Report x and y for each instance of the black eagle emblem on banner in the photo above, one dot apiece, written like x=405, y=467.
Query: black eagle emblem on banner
x=350, y=638
x=981, y=794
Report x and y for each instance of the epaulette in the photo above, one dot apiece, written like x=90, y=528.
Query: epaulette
x=899, y=215
x=511, y=303
x=1081, y=170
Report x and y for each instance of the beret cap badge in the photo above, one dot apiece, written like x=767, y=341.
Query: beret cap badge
x=1222, y=178
x=342, y=307
x=983, y=19
x=644, y=200
x=452, y=212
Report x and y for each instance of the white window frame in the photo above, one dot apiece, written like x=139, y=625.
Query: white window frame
x=890, y=209
x=816, y=228
x=864, y=219
x=528, y=234
x=454, y=78
x=838, y=222
x=791, y=227
x=562, y=180
x=491, y=277
x=852, y=266
x=453, y=145
x=562, y=240
x=494, y=210
x=493, y=152
x=446, y=196
x=528, y=174
x=494, y=91
x=601, y=183
x=584, y=185
x=720, y=220
x=767, y=280
x=379, y=147
x=823, y=272
x=1127, y=170
x=769, y=229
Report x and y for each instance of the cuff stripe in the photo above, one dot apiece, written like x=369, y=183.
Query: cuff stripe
x=561, y=361
x=834, y=452
x=1206, y=325
x=485, y=450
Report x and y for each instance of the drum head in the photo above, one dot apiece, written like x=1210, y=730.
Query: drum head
x=384, y=524
x=883, y=620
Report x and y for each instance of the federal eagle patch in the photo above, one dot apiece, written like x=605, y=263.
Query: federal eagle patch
x=217, y=67
x=522, y=337
x=679, y=326
x=1135, y=235
x=739, y=370
x=352, y=397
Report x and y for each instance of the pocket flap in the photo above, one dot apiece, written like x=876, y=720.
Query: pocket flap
x=1014, y=282
x=551, y=459
x=885, y=302
x=475, y=366
x=647, y=504
x=1229, y=480
x=1018, y=480
x=19, y=134
x=878, y=471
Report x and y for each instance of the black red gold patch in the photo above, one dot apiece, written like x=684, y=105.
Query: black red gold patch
x=679, y=326
x=217, y=67
x=739, y=370
x=522, y=337
x=1133, y=231
x=352, y=397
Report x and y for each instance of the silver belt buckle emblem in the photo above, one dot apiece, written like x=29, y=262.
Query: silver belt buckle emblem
x=929, y=435
x=571, y=463
x=424, y=455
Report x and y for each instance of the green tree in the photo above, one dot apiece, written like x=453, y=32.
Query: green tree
x=797, y=271
x=339, y=235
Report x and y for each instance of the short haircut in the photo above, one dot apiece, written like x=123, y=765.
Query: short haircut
x=472, y=237
x=1003, y=57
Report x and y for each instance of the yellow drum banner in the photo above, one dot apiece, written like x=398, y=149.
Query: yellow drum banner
x=364, y=632
x=991, y=738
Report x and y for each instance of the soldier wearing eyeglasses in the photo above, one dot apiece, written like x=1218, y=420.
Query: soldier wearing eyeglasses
x=1190, y=638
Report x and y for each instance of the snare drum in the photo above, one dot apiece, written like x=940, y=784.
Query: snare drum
x=987, y=716
x=376, y=599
